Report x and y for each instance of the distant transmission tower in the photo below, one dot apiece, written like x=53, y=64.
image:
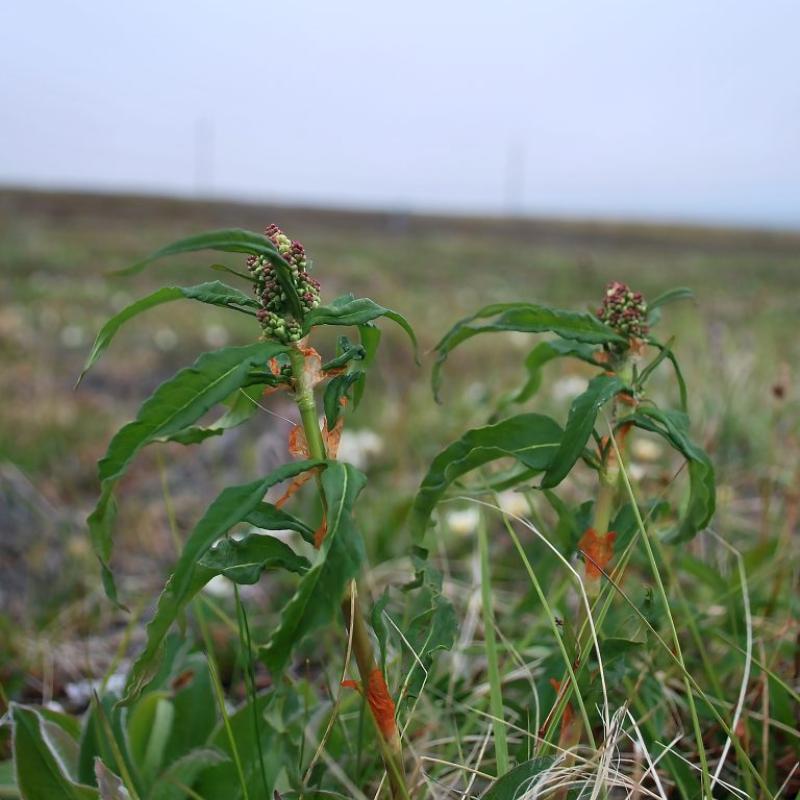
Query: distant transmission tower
x=515, y=179
x=203, y=156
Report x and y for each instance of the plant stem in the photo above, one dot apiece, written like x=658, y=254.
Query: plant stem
x=492, y=667
x=362, y=644
x=645, y=537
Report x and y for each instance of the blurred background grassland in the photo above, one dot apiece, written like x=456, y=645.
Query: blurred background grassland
x=735, y=342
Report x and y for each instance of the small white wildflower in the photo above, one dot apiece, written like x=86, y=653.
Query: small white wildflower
x=216, y=336
x=462, y=521
x=475, y=392
x=219, y=586
x=568, y=387
x=120, y=299
x=519, y=340
x=646, y=450
x=359, y=447
x=165, y=338
x=72, y=336
x=513, y=503
x=637, y=471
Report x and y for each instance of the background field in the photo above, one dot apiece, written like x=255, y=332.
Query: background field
x=738, y=344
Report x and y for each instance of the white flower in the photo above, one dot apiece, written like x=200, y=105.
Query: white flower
x=463, y=521
x=219, y=586
x=646, y=450
x=359, y=447
x=72, y=336
x=216, y=336
x=513, y=503
x=637, y=471
x=568, y=387
x=165, y=338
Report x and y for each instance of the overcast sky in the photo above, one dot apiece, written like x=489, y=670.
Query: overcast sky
x=684, y=109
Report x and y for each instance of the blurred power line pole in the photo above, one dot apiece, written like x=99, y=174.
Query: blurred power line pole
x=515, y=178
x=203, y=156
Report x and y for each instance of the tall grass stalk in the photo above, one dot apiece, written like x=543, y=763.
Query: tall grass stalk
x=490, y=648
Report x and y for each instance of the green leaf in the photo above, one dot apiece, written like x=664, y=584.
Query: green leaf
x=175, y=405
x=319, y=593
x=230, y=271
x=41, y=775
x=109, y=785
x=666, y=352
x=255, y=738
x=359, y=311
x=184, y=772
x=532, y=439
x=514, y=784
x=149, y=728
x=670, y=296
x=270, y=518
x=380, y=627
x=243, y=560
x=8, y=781
x=543, y=353
x=232, y=240
x=242, y=405
x=580, y=424
x=370, y=339
x=527, y=318
x=71, y=725
x=346, y=352
x=95, y=741
x=336, y=389
x=428, y=632
x=195, y=706
x=674, y=427
x=214, y=293
x=233, y=505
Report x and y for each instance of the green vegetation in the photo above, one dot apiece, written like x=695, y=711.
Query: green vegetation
x=679, y=682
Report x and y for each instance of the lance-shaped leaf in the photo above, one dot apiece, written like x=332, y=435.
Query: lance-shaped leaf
x=346, y=352
x=242, y=404
x=233, y=505
x=665, y=351
x=109, y=785
x=40, y=770
x=338, y=388
x=255, y=734
x=670, y=296
x=243, y=560
x=175, y=405
x=231, y=240
x=214, y=293
x=319, y=593
x=184, y=772
x=271, y=518
x=350, y=311
x=432, y=630
x=370, y=339
x=543, y=353
x=526, y=318
x=674, y=427
x=580, y=424
x=520, y=780
x=532, y=439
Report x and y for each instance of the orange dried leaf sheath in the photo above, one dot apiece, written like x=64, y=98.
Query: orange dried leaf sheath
x=319, y=533
x=598, y=550
x=380, y=702
x=566, y=718
x=298, y=447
